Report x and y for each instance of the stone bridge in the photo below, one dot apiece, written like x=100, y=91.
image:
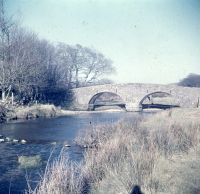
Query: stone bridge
x=132, y=95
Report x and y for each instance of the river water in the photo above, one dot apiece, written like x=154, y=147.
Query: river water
x=44, y=137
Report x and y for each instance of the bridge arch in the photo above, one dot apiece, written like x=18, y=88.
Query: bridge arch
x=106, y=99
x=164, y=103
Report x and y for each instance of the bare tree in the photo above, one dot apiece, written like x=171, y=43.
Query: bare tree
x=96, y=66
x=65, y=60
x=83, y=65
x=5, y=27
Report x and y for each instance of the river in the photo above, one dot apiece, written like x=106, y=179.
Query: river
x=44, y=137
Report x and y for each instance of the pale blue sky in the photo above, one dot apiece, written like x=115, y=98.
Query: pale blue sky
x=155, y=41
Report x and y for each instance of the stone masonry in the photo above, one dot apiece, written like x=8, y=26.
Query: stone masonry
x=132, y=94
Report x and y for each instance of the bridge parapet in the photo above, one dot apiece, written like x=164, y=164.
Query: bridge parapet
x=133, y=93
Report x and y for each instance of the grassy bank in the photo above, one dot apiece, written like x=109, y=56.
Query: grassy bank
x=161, y=153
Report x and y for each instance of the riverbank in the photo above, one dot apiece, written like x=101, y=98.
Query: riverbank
x=40, y=110
x=161, y=153
x=30, y=112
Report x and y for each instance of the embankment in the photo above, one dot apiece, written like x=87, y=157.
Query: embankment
x=30, y=112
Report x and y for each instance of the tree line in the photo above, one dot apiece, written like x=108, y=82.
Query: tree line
x=192, y=80
x=35, y=69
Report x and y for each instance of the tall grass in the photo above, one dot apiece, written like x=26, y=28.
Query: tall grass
x=62, y=176
x=159, y=153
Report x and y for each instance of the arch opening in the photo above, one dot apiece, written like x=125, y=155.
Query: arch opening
x=158, y=100
x=106, y=99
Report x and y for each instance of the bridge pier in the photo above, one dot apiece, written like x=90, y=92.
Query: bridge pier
x=132, y=107
x=91, y=107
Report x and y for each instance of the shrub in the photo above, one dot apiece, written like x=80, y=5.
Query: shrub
x=192, y=80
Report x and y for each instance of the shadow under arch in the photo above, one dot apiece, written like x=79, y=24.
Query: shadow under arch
x=106, y=99
x=157, y=105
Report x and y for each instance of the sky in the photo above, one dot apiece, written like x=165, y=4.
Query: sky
x=149, y=41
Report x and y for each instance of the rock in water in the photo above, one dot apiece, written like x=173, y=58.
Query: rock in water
x=1, y=136
x=8, y=139
x=23, y=141
x=2, y=140
x=66, y=144
x=15, y=140
x=29, y=161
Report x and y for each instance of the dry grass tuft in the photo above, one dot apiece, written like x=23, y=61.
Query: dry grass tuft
x=62, y=176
